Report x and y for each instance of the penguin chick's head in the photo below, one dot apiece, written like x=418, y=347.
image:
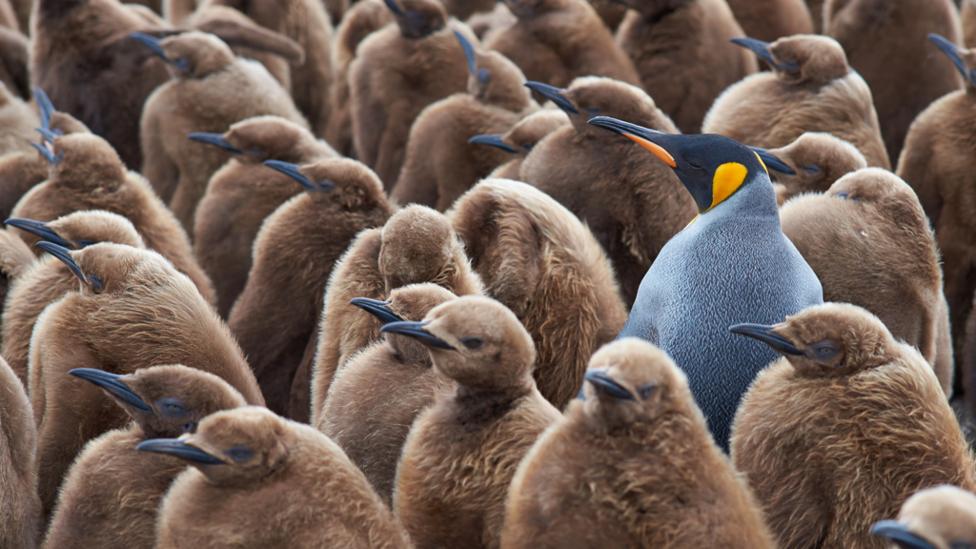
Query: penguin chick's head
x=80, y=229
x=943, y=517
x=631, y=381
x=475, y=341
x=801, y=58
x=591, y=96
x=963, y=59
x=348, y=183
x=524, y=135
x=492, y=77
x=833, y=339
x=418, y=245
x=410, y=303
x=260, y=138
x=191, y=54
x=712, y=167
x=418, y=18
x=816, y=160
x=231, y=447
x=166, y=401
x=85, y=162
x=877, y=186
x=110, y=269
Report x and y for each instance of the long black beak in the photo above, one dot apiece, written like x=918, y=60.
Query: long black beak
x=45, y=107
x=955, y=55
x=761, y=49
x=899, y=533
x=492, y=140
x=394, y=7
x=773, y=162
x=39, y=229
x=468, y=52
x=294, y=171
x=655, y=142
x=178, y=448
x=47, y=135
x=64, y=255
x=214, y=139
x=113, y=384
x=606, y=384
x=554, y=94
x=152, y=43
x=47, y=154
x=766, y=334
x=417, y=331
x=377, y=308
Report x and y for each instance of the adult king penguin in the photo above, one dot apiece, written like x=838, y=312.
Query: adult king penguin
x=732, y=261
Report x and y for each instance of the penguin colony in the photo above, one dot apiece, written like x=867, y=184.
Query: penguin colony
x=474, y=273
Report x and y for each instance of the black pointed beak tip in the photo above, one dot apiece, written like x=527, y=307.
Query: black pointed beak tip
x=379, y=309
x=38, y=229
x=768, y=336
x=606, y=384
x=606, y=122
x=554, y=94
x=113, y=384
x=178, y=448
x=895, y=531
x=492, y=140
x=214, y=139
x=416, y=330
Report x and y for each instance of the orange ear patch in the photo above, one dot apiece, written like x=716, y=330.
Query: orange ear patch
x=727, y=179
x=654, y=149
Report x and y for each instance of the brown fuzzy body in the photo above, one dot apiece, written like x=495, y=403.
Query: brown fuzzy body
x=462, y=9
x=684, y=57
x=967, y=14
x=769, y=110
x=20, y=509
x=773, y=19
x=873, y=32
x=19, y=171
x=294, y=253
x=945, y=516
x=14, y=60
x=538, y=259
x=15, y=260
x=17, y=122
x=561, y=41
x=315, y=498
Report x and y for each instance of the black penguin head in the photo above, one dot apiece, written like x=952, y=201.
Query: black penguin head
x=711, y=167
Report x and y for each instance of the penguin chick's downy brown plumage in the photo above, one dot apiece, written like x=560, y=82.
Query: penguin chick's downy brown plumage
x=817, y=160
x=211, y=90
x=162, y=401
x=683, y=54
x=15, y=260
x=462, y=452
x=521, y=138
x=133, y=310
x=18, y=122
x=276, y=315
x=870, y=244
x=811, y=88
x=934, y=518
x=885, y=43
x=262, y=481
x=441, y=164
x=555, y=41
x=398, y=71
x=243, y=192
x=376, y=396
x=20, y=510
x=862, y=412
x=608, y=183
x=90, y=176
x=610, y=472
x=773, y=19
x=538, y=259
x=48, y=278
x=416, y=245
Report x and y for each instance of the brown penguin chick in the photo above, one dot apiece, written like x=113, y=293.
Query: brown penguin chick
x=870, y=244
x=463, y=9
x=943, y=517
x=161, y=401
x=608, y=183
x=873, y=33
x=20, y=509
x=771, y=20
x=310, y=231
x=538, y=259
x=22, y=9
x=398, y=71
x=177, y=12
x=252, y=469
x=810, y=89
x=17, y=120
x=15, y=259
x=967, y=13
x=862, y=412
x=440, y=163
x=462, y=451
x=817, y=160
x=555, y=41
x=210, y=91
x=134, y=310
x=416, y=245
x=48, y=279
x=376, y=396
x=521, y=138
x=610, y=472
x=610, y=11
x=364, y=18
x=88, y=175
x=683, y=54
x=242, y=193
x=8, y=17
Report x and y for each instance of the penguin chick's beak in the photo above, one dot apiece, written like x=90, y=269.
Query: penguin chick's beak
x=767, y=335
x=554, y=94
x=650, y=140
x=955, y=55
x=294, y=171
x=602, y=382
x=214, y=139
x=39, y=229
x=154, y=46
x=417, y=331
x=761, y=49
x=47, y=154
x=45, y=107
x=178, y=448
x=772, y=162
x=899, y=534
x=394, y=7
x=64, y=256
x=377, y=308
x=492, y=140
x=113, y=384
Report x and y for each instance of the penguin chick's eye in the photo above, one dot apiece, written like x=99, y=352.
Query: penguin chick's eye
x=811, y=169
x=239, y=453
x=190, y=427
x=645, y=391
x=171, y=407
x=472, y=342
x=824, y=351
x=85, y=243
x=484, y=76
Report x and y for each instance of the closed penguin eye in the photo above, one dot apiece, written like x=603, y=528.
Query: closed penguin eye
x=239, y=453
x=472, y=342
x=824, y=351
x=171, y=407
x=645, y=391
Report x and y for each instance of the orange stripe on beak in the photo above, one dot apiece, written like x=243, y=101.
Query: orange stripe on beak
x=653, y=148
